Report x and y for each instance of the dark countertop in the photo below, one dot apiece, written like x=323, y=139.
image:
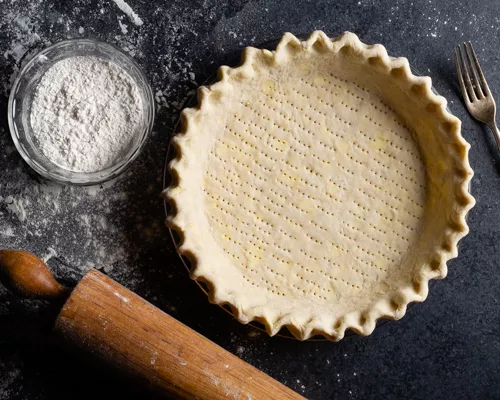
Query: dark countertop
x=446, y=347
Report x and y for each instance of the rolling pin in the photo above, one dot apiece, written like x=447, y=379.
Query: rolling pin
x=108, y=321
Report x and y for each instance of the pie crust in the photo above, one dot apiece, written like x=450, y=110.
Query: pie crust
x=319, y=187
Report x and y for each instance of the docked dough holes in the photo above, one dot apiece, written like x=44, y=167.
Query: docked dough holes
x=314, y=190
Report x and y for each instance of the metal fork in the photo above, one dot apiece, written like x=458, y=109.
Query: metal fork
x=476, y=93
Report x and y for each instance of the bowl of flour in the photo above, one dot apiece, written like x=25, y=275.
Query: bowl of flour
x=80, y=111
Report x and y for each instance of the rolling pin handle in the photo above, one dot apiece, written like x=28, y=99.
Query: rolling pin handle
x=25, y=274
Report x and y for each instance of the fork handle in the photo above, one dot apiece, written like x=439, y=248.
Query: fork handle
x=496, y=132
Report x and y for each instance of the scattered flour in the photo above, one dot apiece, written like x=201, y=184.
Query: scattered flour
x=121, y=297
x=230, y=391
x=154, y=356
x=24, y=37
x=122, y=5
x=50, y=253
x=7, y=232
x=107, y=268
x=123, y=27
x=9, y=376
x=17, y=206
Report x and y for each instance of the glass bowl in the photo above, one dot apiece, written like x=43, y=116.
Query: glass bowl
x=23, y=92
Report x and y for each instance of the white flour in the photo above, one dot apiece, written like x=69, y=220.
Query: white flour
x=129, y=12
x=86, y=113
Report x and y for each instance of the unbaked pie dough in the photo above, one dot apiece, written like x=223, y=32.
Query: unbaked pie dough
x=319, y=187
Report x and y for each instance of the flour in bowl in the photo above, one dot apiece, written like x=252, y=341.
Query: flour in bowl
x=86, y=113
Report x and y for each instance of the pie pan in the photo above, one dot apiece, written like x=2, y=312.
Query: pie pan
x=334, y=187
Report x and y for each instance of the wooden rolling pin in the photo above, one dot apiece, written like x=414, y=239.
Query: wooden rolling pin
x=115, y=325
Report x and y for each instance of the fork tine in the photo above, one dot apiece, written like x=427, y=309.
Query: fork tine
x=468, y=84
x=460, y=76
x=475, y=86
x=485, y=87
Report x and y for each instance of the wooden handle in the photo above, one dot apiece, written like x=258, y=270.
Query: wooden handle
x=122, y=329
x=25, y=274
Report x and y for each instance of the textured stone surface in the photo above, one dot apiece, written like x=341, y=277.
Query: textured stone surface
x=446, y=347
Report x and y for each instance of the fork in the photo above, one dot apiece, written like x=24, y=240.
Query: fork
x=476, y=93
